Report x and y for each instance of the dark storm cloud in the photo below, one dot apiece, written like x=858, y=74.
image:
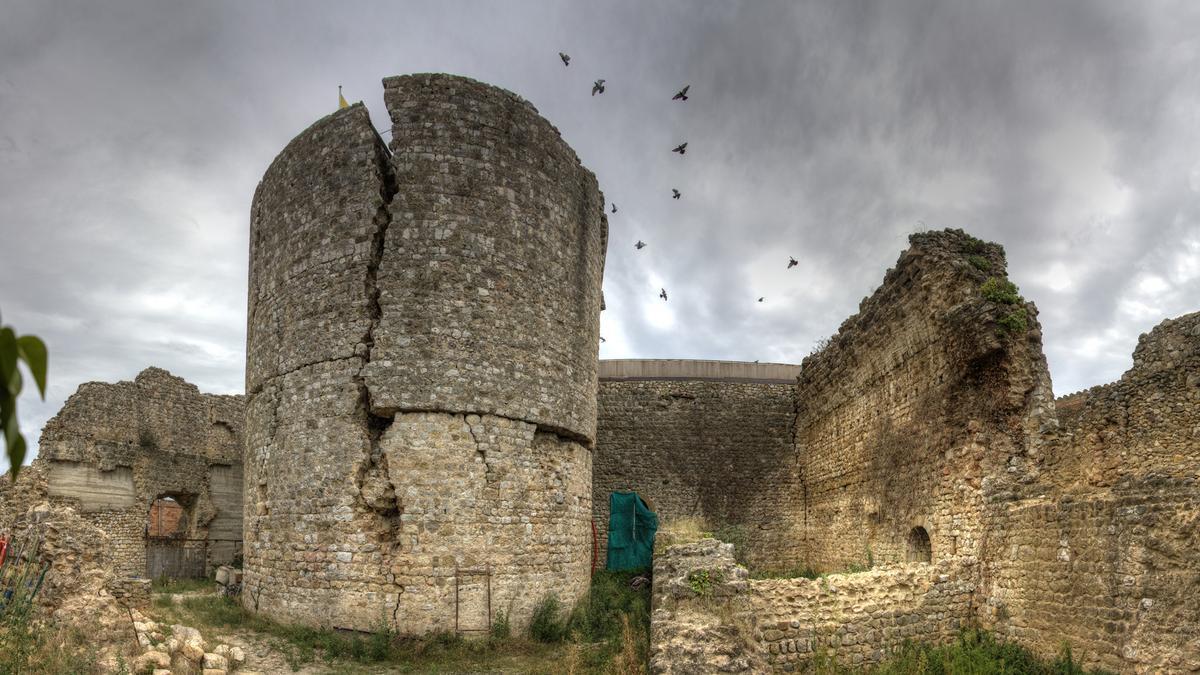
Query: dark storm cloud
x=132, y=136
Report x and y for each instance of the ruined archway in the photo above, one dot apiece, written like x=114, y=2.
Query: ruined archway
x=167, y=519
x=173, y=550
x=918, y=547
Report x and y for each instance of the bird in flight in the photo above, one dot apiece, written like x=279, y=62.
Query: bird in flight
x=760, y=299
x=675, y=194
x=598, y=87
x=681, y=148
x=792, y=262
x=614, y=209
x=602, y=339
x=663, y=294
x=566, y=58
x=682, y=95
x=640, y=245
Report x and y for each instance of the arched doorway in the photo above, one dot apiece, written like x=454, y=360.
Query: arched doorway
x=172, y=551
x=918, y=548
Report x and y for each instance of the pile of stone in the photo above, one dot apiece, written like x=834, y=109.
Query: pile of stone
x=183, y=650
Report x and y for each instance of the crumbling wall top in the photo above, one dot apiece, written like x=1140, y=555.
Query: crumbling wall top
x=155, y=413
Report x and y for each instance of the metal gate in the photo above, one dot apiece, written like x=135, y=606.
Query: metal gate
x=176, y=558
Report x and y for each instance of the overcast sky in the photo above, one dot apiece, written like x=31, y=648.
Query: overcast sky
x=132, y=136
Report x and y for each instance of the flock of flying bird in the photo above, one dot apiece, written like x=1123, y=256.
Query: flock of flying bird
x=681, y=95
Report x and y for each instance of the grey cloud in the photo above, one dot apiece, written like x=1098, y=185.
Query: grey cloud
x=132, y=135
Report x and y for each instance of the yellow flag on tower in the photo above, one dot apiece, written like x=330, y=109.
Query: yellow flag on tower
x=342, y=99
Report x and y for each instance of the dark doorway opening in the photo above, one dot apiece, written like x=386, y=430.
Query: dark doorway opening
x=919, y=548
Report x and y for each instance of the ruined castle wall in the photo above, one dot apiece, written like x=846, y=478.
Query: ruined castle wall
x=707, y=439
x=914, y=400
x=421, y=428
x=490, y=287
x=710, y=617
x=1148, y=422
x=1102, y=550
x=114, y=448
x=859, y=619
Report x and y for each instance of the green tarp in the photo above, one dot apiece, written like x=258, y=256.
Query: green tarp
x=631, y=528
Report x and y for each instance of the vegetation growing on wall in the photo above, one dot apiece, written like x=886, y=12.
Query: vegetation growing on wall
x=1004, y=292
x=976, y=651
x=1001, y=291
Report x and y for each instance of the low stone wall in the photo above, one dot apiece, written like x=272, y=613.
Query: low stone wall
x=130, y=591
x=708, y=616
x=861, y=618
x=701, y=619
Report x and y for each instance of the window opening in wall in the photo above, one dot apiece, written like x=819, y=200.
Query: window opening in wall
x=919, y=548
x=171, y=550
x=167, y=519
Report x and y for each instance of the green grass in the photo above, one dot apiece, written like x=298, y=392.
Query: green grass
x=27, y=646
x=168, y=585
x=797, y=572
x=606, y=632
x=976, y=652
x=612, y=621
x=616, y=620
x=807, y=572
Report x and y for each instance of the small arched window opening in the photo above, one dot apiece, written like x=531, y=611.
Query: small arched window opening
x=168, y=519
x=919, y=549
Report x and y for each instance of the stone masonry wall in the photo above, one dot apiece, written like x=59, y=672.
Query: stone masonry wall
x=915, y=399
x=718, y=449
x=114, y=448
x=1103, y=550
x=423, y=333
x=709, y=617
x=489, y=287
x=860, y=619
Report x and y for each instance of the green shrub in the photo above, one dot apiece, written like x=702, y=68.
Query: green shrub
x=547, y=624
x=1000, y=291
x=501, y=627
x=1015, y=322
x=979, y=262
x=615, y=619
x=597, y=617
x=975, y=245
x=703, y=581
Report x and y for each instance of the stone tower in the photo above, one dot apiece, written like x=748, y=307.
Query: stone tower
x=421, y=365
